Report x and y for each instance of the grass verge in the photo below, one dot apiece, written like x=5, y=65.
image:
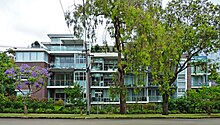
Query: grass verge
x=109, y=116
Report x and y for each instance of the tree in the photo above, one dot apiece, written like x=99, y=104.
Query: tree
x=26, y=77
x=218, y=80
x=114, y=13
x=74, y=93
x=214, y=75
x=6, y=84
x=169, y=42
x=205, y=98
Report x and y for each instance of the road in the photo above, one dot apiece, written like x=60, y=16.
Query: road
x=10, y=121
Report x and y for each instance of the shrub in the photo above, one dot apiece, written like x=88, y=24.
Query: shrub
x=149, y=106
x=60, y=102
x=18, y=104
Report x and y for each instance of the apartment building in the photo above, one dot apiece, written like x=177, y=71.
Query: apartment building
x=65, y=57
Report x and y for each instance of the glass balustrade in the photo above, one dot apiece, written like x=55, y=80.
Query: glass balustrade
x=60, y=82
x=155, y=98
x=66, y=48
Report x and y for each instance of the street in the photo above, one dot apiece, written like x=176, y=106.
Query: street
x=11, y=121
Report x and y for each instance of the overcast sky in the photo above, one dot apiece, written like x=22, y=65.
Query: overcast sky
x=24, y=21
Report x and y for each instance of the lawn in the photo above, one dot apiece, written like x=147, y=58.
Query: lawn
x=109, y=116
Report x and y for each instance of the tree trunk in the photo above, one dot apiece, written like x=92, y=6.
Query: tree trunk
x=81, y=111
x=121, y=68
x=122, y=102
x=209, y=110
x=25, y=108
x=165, y=103
x=122, y=87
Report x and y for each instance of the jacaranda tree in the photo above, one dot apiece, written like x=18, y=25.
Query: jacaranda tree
x=29, y=78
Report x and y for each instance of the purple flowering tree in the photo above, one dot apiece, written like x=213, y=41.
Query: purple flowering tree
x=29, y=78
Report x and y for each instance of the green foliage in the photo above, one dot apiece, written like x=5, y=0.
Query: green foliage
x=60, y=102
x=114, y=92
x=214, y=75
x=181, y=105
x=74, y=94
x=184, y=28
x=206, y=98
x=203, y=100
x=6, y=84
x=218, y=80
x=116, y=15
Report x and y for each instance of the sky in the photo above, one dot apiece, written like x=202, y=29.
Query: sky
x=24, y=21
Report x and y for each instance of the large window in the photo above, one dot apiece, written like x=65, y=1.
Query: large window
x=80, y=58
x=61, y=79
x=31, y=56
x=64, y=61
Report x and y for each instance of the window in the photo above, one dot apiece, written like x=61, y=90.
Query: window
x=153, y=92
x=19, y=56
x=33, y=56
x=80, y=58
x=60, y=96
x=181, y=89
x=181, y=76
x=26, y=56
x=80, y=76
x=64, y=61
x=19, y=93
x=46, y=57
x=40, y=56
x=181, y=83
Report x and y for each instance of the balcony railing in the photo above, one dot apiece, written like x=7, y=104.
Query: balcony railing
x=105, y=83
x=108, y=99
x=68, y=65
x=138, y=98
x=66, y=48
x=150, y=84
x=60, y=82
x=199, y=84
x=155, y=98
x=104, y=99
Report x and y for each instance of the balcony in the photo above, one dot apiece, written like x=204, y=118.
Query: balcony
x=138, y=98
x=150, y=84
x=102, y=84
x=155, y=98
x=105, y=69
x=60, y=82
x=199, y=72
x=108, y=100
x=67, y=65
x=66, y=48
x=198, y=85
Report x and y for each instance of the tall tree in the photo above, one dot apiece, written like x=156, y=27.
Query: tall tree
x=114, y=13
x=185, y=29
x=6, y=84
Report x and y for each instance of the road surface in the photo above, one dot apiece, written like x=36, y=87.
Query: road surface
x=11, y=121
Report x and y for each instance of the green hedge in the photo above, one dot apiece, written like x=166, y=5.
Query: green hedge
x=13, y=104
